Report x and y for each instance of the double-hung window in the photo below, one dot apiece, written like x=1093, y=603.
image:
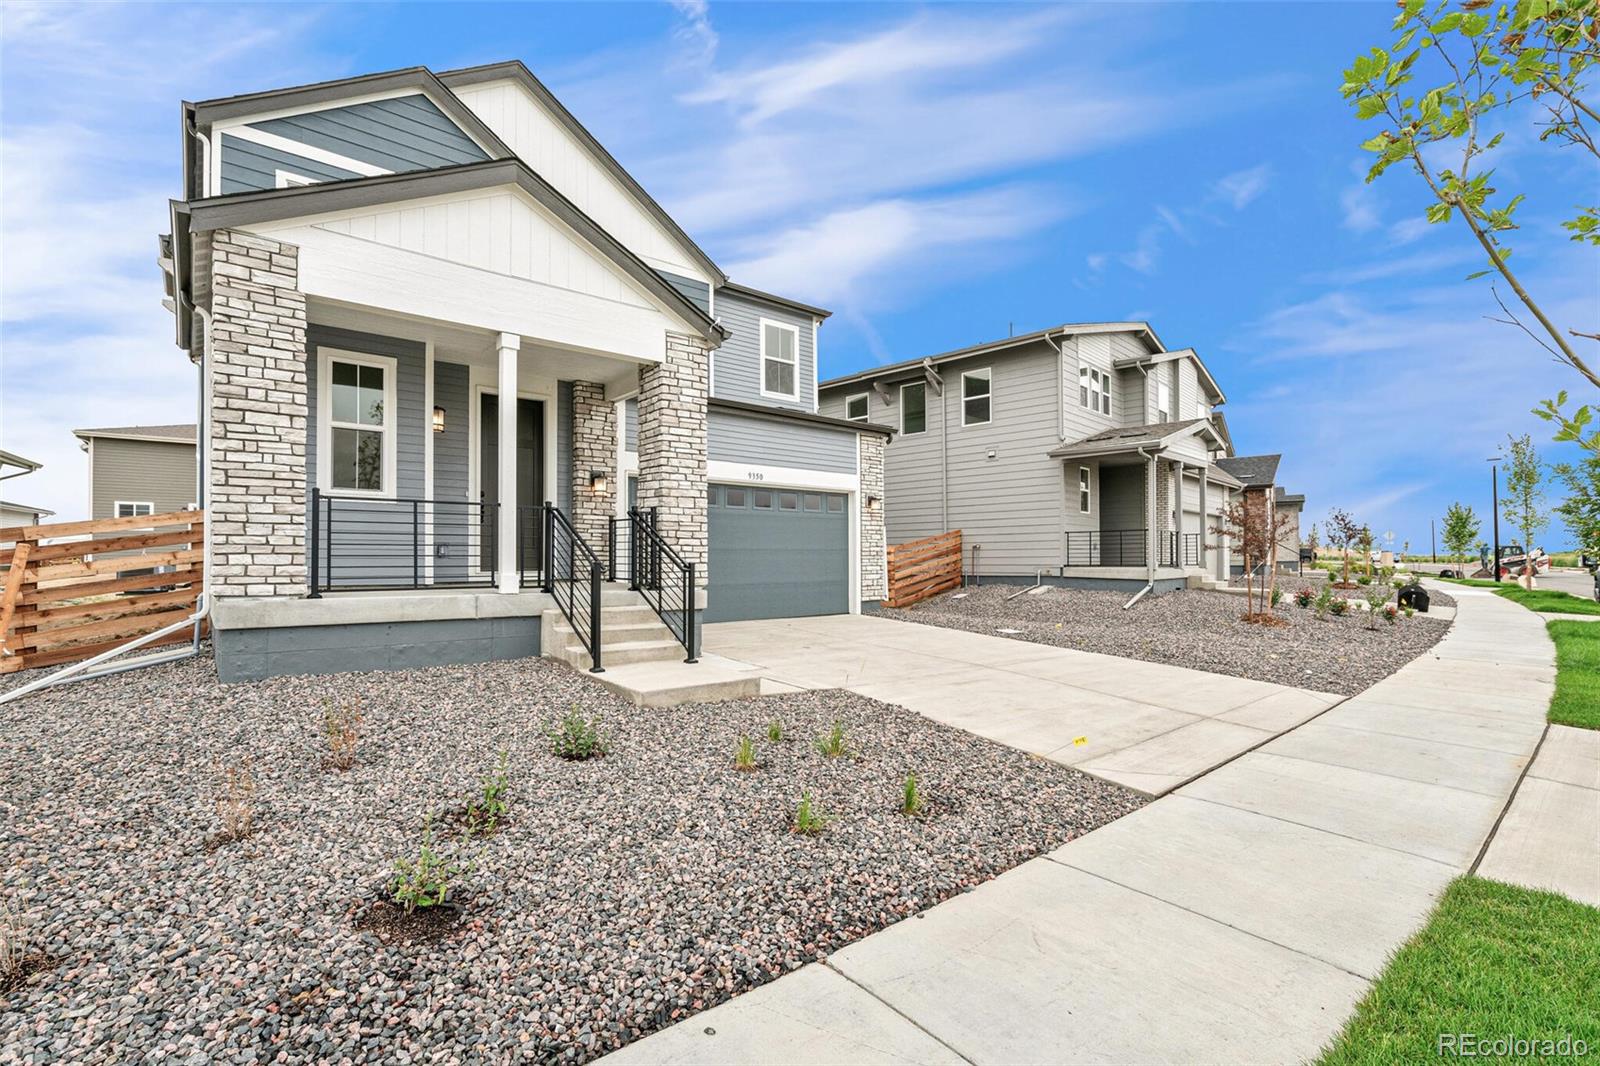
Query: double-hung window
x=356, y=423
x=977, y=397
x=1083, y=490
x=780, y=360
x=855, y=407
x=1163, y=401
x=913, y=408
x=1094, y=390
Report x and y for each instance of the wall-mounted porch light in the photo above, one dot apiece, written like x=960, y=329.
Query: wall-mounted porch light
x=872, y=503
x=597, y=480
x=438, y=419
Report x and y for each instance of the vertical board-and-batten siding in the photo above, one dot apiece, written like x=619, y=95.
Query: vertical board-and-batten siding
x=1011, y=506
x=736, y=365
x=400, y=134
x=247, y=166
x=159, y=473
x=743, y=438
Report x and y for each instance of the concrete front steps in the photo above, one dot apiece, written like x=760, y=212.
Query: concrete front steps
x=642, y=659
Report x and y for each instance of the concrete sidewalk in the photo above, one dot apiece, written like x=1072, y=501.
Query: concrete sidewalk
x=1550, y=838
x=1238, y=919
x=1148, y=726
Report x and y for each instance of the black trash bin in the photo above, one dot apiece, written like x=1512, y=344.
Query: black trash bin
x=1413, y=596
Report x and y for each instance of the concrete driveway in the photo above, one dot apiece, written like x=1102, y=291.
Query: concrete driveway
x=1148, y=726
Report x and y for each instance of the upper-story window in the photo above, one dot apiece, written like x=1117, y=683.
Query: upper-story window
x=977, y=397
x=1201, y=410
x=355, y=425
x=1094, y=390
x=1163, y=401
x=134, y=508
x=855, y=407
x=780, y=360
x=913, y=408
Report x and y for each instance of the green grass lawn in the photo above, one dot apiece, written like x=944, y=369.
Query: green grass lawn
x=1577, y=698
x=1494, y=961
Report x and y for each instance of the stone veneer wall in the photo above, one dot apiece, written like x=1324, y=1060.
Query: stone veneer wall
x=672, y=445
x=594, y=447
x=874, y=562
x=257, y=476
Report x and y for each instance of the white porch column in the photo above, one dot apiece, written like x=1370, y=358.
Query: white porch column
x=1177, y=515
x=1205, y=516
x=510, y=579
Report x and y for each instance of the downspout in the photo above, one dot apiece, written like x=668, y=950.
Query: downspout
x=1149, y=560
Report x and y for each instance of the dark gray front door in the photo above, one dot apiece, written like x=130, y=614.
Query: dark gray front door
x=530, y=476
x=776, y=553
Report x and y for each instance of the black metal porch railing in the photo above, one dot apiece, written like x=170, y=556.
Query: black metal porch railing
x=1181, y=549
x=573, y=576
x=619, y=549
x=663, y=578
x=1107, y=547
x=382, y=544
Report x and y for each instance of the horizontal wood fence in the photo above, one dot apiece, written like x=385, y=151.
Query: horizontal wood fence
x=70, y=599
x=922, y=568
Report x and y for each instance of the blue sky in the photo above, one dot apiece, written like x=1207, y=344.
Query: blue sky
x=937, y=175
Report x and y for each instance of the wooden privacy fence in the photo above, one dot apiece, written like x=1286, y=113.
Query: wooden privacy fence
x=70, y=599
x=922, y=568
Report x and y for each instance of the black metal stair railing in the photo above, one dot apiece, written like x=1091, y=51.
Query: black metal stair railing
x=664, y=578
x=574, y=577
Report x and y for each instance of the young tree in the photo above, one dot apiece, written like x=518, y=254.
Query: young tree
x=1461, y=528
x=1256, y=534
x=1366, y=548
x=1476, y=62
x=1313, y=541
x=1523, y=503
x=1581, y=509
x=1343, y=532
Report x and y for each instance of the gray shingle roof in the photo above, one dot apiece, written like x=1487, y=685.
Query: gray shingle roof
x=1253, y=470
x=1126, y=438
x=183, y=433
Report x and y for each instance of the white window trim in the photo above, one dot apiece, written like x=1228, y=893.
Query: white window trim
x=866, y=415
x=793, y=331
x=390, y=366
x=118, y=505
x=904, y=432
x=987, y=373
x=288, y=179
x=1085, y=488
x=1163, y=402
x=1106, y=402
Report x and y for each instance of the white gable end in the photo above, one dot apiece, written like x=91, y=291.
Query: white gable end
x=543, y=143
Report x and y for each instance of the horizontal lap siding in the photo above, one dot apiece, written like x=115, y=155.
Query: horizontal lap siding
x=737, y=438
x=563, y=486
x=453, y=536
x=736, y=365
x=630, y=425
x=402, y=134
x=247, y=166
x=141, y=471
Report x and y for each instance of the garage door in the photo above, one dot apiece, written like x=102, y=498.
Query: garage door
x=776, y=553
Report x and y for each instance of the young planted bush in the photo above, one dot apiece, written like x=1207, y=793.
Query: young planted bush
x=236, y=802
x=911, y=799
x=775, y=731
x=1305, y=596
x=1340, y=606
x=1324, y=601
x=808, y=818
x=577, y=737
x=832, y=744
x=1391, y=613
x=424, y=881
x=1376, y=599
x=14, y=953
x=490, y=805
x=744, y=754
x=341, y=728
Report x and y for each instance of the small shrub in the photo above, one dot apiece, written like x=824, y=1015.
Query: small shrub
x=14, y=953
x=1410, y=610
x=832, y=745
x=424, y=881
x=911, y=799
x=808, y=818
x=1376, y=599
x=576, y=737
x=236, y=802
x=1305, y=597
x=744, y=755
x=775, y=731
x=1277, y=596
x=341, y=727
x=1324, y=601
x=491, y=805
x=1340, y=606
x=1363, y=579
x=1391, y=613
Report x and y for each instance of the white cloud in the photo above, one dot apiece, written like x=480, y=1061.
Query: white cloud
x=695, y=34
x=1403, y=266
x=1242, y=187
x=1360, y=208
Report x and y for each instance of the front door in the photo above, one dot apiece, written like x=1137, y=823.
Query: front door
x=530, y=477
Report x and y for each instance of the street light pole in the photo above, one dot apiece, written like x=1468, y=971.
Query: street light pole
x=1494, y=485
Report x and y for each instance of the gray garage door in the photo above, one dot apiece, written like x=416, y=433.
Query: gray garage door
x=776, y=553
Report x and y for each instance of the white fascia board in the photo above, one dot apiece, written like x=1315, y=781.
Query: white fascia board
x=759, y=476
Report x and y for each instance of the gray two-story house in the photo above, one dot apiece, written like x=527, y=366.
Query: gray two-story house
x=470, y=392
x=1086, y=454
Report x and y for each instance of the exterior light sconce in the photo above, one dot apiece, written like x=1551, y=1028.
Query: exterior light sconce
x=872, y=503
x=438, y=419
x=598, y=480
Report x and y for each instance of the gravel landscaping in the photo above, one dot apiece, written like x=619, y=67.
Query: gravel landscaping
x=1197, y=629
x=619, y=894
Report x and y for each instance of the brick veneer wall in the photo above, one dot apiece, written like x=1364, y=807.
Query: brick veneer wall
x=672, y=445
x=874, y=576
x=594, y=447
x=257, y=476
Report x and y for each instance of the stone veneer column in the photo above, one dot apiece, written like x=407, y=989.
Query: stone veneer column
x=594, y=447
x=672, y=445
x=874, y=574
x=257, y=473
x=1164, y=475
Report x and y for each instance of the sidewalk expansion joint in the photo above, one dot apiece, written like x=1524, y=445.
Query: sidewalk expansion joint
x=1506, y=809
x=918, y=1026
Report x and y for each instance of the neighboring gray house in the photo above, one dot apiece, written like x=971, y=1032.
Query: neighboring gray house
x=19, y=514
x=1259, y=475
x=136, y=470
x=368, y=270
x=1085, y=452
